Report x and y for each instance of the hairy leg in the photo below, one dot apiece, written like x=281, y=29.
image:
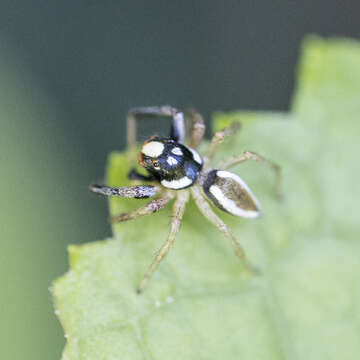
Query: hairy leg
x=178, y=211
x=250, y=155
x=137, y=192
x=151, y=207
x=218, y=139
x=134, y=175
x=197, y=128
x=206, y=210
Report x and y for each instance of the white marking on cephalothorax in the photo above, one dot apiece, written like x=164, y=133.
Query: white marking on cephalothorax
x=171, y=160
x=230, y=205
x=177, y=151
x=177, y=184
x=153, y=149
x=196, y=156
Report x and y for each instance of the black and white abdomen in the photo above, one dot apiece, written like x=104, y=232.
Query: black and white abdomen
x=173, y=164
x=231, y=194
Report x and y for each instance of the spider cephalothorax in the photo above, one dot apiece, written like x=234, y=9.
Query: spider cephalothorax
x=176, y=170
x=173, y=164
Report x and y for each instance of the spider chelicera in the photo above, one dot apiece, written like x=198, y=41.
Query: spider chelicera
x=176, y=170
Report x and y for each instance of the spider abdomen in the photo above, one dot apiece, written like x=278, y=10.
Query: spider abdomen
x=231, y=194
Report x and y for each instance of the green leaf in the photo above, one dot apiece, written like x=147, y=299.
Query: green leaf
x=200, y=304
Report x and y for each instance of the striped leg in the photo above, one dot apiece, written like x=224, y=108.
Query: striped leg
x=178, y=211
x=206, y=210
x=249, y=155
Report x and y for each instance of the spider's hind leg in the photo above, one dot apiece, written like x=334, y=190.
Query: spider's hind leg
x=250, y=155
x=206, y=210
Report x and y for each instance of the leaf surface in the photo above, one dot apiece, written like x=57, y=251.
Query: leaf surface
x=200, y=304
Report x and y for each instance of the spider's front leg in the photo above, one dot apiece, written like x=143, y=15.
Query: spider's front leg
x=137, y=192
x=178, y=124
x=178, y=212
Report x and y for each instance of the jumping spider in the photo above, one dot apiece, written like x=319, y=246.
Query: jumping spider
x=176, y=170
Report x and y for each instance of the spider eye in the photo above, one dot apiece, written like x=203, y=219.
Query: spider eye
x=156, y=164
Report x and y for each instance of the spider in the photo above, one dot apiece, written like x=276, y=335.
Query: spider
x=176, y=170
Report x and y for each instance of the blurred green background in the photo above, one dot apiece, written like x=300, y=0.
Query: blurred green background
x=68, y=73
